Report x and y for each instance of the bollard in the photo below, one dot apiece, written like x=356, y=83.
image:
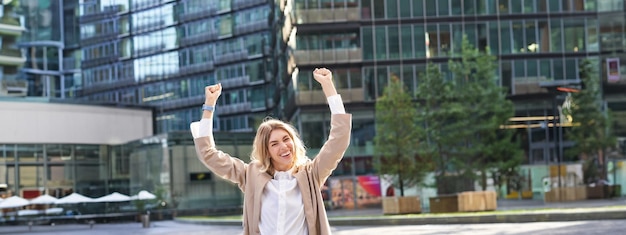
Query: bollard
x=145, y=220
x=91, y=223
x=30, y=225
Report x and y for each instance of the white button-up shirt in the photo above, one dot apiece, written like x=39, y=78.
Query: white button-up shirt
x=282, y=211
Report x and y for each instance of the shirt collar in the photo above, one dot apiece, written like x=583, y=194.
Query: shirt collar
x=283, y=175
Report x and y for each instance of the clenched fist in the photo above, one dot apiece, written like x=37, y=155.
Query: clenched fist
x=322, y=75
x=325, y=78
x=211, y=94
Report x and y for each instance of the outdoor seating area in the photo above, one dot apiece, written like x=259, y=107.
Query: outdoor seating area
x=48, y=209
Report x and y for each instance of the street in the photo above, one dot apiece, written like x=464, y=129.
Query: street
x=605, y=227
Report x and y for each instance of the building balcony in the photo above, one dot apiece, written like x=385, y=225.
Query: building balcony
x=87, y=63
x=9, y=56
x=251, y=27
x=10, y=26
x=108, y=85
x=12, y=87
x=309, y=57
x=107, y=12
x=312, y=16
x=317, y=97
x=98, y=38
x=235, y=108
x=148, y=26
x=196, y=68
x=235, y=82
x=230, y=57
x=239, y=4
x=199, y=14
x=198, y=38
x=182, y=102
x=149, y=50
x=140, y=5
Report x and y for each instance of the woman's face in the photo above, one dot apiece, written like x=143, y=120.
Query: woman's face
x=281, y=150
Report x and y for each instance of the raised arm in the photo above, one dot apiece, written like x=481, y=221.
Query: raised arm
x=220, y=163
x=341, y=125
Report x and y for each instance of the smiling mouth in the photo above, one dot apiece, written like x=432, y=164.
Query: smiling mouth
x=285, y=155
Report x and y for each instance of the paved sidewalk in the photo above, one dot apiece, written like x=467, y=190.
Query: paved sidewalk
x=503, y=205
x=508, y=211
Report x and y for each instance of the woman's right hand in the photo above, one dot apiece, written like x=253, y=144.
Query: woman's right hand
x=211, y=94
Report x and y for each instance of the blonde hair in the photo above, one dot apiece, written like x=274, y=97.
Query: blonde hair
x=260, y=147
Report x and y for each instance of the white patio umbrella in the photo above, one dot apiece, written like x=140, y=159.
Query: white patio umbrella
x=73, y=199
x=143, y=195
x=13, y=202
x=44, y=199
x=113, y=197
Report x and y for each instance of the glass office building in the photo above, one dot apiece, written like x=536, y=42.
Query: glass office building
x=163, y=54
x=160, y=55
x=369, y=41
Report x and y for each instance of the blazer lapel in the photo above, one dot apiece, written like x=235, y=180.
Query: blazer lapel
x=309, y=210
x=260, y=181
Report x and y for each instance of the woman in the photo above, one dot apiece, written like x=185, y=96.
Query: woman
x=281, y=186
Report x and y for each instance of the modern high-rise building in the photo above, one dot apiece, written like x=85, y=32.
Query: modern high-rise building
x=11, y=58
x=163, y=54
x=538, y=43
x=535, y=41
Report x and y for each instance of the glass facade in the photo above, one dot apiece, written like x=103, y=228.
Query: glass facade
x=159, y=54
x=372, y=40
x=58, y=168
x=163, y=54
x=52, y=46
x=11, y=57
x=164, y=164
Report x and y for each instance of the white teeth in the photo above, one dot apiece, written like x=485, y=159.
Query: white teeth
x=284, y=154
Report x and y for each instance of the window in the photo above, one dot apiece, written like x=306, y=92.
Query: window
x=518, y=37
x=418, y=8
x=381, y=42
x=431, y=7
x=556, y=42
x=529, y=6
x=574, y=31
x=392, y=9
x=405, y=8
x=420, y=40
x=503, y=6
x=494, y=36
x=443, y=7
x=379, y=9
x=394, y=42
x=406, y=41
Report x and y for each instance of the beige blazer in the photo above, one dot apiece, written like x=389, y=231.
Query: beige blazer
x=310, y=177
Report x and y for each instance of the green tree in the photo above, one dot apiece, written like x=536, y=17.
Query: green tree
x=435, y=109
x=464, y=116
x=398, y=137
x=591, y=129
